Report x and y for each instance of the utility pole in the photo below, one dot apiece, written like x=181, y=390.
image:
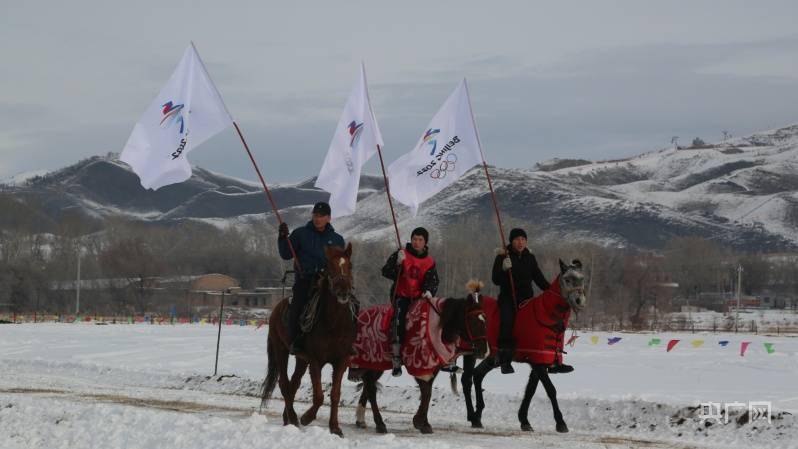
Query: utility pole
x=77, y=287
x=737, y=311
x=219, y=334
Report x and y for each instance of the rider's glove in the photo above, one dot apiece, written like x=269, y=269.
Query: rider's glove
x=400, y=257
x=507, y=264
x=283, y=231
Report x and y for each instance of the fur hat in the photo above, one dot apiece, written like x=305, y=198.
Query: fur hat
x=517, y=232
x=422, y=232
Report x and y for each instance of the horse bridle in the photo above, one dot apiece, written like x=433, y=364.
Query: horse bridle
x=478, y=314
x=332, y=279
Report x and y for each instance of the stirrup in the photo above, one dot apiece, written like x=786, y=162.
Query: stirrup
x=451, y=368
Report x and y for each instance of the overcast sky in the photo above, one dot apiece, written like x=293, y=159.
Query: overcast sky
x=591, y=79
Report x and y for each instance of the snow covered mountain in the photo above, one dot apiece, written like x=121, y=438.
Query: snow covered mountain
x=742, y=192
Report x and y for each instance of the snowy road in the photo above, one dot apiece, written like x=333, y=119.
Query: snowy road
x=82, y=386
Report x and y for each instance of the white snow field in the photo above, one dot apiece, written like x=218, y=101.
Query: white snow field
x=148, y=386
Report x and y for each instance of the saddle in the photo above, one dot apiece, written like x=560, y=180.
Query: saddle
x=423, y=350
x=307, y=319
x=539, y=329
x=310, y=315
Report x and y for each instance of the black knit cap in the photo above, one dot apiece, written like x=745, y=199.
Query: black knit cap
x=422, y=232
x=517, y=232
x=322, y=208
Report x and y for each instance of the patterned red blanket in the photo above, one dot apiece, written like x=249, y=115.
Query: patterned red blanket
x=423, y=349
x=539, y=326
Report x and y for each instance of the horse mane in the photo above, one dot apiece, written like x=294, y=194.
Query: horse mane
x=474, y=285
x=452, y=315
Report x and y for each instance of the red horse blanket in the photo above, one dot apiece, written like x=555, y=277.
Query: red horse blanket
x=539, y=326
x=423, y=349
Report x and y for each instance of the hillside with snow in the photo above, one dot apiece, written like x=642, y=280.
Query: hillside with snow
x=742, y=192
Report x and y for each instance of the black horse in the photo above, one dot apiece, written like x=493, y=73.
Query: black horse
x=572, y=294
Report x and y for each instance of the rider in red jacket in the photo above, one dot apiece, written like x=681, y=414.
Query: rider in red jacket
x=417, y=277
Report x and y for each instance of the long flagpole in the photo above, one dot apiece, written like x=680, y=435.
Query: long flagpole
x=390, y=202
x=268, y=194
x=490, y=186
x=395, y=226
x=251, y=158
x=387, y=187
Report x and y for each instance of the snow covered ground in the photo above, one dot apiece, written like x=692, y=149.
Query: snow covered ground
x=141, y=386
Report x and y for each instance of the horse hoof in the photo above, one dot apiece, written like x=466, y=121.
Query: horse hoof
x=337, y=431
x=562, y=428
x=526, y=427
x=306, y=419
x=381, y=428
x=426, y=429
x=476, y=424
x=360, y=424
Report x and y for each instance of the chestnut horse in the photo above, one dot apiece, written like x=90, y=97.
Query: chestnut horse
x=329, y=341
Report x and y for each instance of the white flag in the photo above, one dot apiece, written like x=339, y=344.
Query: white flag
x=354, y=142
x=187, y=112
x=448, y=148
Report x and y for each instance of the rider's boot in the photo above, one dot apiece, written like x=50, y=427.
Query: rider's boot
x=397, y=360
x=560, y=368
x=505, y=361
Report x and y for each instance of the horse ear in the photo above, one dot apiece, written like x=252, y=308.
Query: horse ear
x=563, y=266
x=348, y=251
x=577, y=263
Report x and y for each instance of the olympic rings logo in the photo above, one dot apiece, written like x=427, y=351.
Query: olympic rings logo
x=444, y=167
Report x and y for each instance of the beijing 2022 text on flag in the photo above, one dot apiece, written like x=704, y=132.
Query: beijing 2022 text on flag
x=448, y=147
x=187, y=112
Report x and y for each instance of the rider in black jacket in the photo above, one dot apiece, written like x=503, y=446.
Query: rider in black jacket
x=524, y=267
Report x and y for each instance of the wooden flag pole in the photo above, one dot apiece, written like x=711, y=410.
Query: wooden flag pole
x=390, y=202
x=395, y=226
x=490, y=186
x=268, y=194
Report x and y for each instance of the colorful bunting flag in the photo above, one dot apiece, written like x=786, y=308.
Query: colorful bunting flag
x=769, y=348
x=671, y=344
x=697, y=343
x=744, y=347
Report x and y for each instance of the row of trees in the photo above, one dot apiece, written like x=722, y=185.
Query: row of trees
x=37, y=272
x=625, y=285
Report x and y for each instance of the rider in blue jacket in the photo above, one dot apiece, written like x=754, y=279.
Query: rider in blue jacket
x=309, y=242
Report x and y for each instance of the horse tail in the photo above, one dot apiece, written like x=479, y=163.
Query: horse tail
x=271, y=376
x=453, y=383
